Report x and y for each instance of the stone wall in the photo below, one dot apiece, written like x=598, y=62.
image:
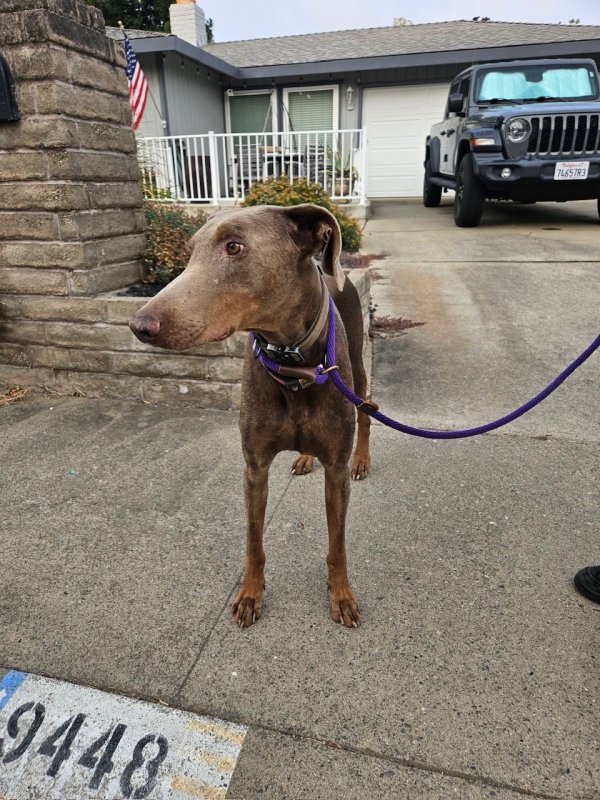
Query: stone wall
x=71, y=223
x=70, y=204
x=86, y=347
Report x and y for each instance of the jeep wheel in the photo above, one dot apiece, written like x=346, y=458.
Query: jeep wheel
x=432, y=194
x=470, y=195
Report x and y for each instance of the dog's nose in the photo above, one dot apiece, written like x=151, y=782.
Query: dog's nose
x=145, y=326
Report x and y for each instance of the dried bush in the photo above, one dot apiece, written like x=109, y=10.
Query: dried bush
x=169, y=230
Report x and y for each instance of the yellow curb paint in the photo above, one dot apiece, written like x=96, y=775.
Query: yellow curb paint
x=218, y=730
x=196, y=789
x=221, y=763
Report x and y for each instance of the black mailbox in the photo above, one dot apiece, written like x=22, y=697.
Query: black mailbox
x=8, y=105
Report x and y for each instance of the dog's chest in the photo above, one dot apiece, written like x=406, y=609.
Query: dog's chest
x=307, y=421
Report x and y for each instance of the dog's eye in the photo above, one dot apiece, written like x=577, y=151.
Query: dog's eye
x=233, y=248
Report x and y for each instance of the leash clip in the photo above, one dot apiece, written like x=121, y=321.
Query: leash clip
x=283, y=354
x=368, y=407
x=290, y=355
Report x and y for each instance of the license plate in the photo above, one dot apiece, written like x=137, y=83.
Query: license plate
x=571, y=170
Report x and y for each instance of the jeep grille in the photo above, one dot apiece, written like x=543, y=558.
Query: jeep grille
x=564, y=134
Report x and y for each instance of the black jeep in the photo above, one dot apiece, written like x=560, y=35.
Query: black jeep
x=516, y=130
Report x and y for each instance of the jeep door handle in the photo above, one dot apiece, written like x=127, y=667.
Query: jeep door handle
x=450, y=131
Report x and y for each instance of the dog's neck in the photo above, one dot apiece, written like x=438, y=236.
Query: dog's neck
x=300, y=319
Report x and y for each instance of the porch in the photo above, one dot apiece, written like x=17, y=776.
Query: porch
x=220, y=168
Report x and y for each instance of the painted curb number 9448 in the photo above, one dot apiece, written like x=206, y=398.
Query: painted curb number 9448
x=147, y=757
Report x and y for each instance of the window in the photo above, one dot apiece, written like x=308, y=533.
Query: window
x=311, y=109
x=464, y=90
x=251, y=116
x=537, y=82
x=454, y=88
x=250, y=112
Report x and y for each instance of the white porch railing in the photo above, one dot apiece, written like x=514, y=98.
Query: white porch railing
x=216, y=167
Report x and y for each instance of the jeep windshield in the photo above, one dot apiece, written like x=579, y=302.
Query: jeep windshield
x=541, y=83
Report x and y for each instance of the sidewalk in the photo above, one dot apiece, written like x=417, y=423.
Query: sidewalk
x=475, y=672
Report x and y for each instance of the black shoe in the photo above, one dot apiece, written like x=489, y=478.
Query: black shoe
x=587, y=581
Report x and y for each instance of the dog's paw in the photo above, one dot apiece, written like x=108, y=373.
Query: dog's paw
x=247, y=608
x=302, y=465
x=360, y=468
x=344, y=607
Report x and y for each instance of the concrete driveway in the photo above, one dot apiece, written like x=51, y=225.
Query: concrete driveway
x=507, y=305
x=475, y=673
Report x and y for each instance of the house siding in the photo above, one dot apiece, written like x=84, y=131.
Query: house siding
x=151, y=124
x=194, y=100
x=435, y=73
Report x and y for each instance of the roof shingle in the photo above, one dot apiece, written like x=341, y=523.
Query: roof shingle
x=395, y=40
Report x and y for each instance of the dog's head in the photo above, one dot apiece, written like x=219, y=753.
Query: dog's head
x=244, y=266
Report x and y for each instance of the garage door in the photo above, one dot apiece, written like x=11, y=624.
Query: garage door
x=398, y=119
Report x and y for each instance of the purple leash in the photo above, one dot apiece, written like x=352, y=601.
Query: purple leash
x=399, y=426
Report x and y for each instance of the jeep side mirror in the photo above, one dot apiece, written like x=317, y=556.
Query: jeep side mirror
x=455, y=103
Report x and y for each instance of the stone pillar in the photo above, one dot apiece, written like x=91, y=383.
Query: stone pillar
x=71, y=219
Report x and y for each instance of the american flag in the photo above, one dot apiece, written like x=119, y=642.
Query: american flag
x=138, y=85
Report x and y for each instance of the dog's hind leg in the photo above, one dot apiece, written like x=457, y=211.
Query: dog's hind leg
x=302, y=465
x=248, y=604
x=344, y=606
x=349, y=306
x=361, y=461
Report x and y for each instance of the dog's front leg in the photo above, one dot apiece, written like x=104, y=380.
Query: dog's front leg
x=344, y=606
x=248, y=604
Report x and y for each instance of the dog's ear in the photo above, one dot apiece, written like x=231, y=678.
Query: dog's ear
x=317, y=229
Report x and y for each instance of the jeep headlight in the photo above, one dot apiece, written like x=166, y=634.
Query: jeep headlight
x=518, y=130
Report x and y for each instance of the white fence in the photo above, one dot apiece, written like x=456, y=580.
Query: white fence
x=214, y=167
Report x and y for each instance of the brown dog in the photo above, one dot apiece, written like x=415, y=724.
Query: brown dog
x=252, y=269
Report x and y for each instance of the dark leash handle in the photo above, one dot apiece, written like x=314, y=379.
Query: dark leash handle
x=372, y=410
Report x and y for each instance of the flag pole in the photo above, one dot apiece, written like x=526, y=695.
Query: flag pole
x=158, y=111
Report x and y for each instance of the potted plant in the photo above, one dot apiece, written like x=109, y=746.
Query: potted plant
x=340, y=173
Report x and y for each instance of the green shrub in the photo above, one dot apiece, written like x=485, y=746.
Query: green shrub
x=169, y=230
x=280, y=192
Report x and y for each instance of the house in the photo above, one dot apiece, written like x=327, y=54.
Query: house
x=354, y=105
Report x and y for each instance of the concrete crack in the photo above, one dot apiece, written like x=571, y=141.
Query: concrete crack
x=228, y=602
x=410, y=763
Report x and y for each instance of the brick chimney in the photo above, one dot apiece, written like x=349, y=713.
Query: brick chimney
x=188, y=22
